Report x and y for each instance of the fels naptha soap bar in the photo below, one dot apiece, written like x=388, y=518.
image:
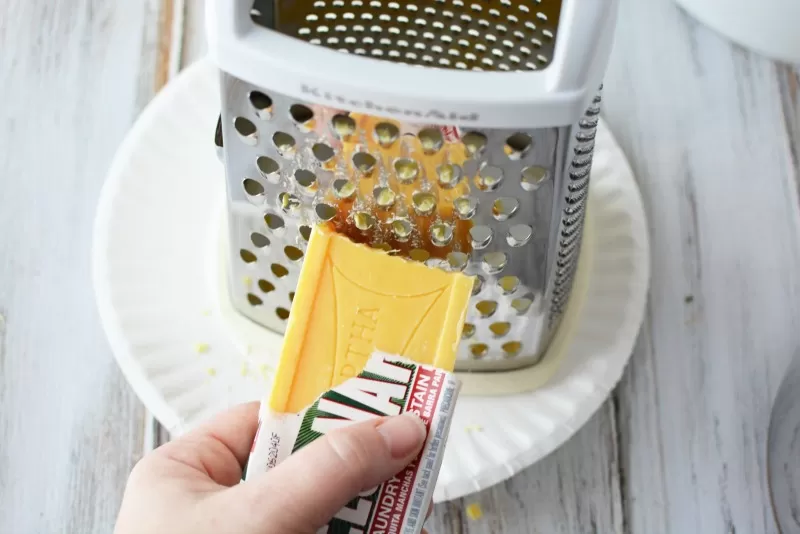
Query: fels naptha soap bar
x=386, y=386
x=352, y=300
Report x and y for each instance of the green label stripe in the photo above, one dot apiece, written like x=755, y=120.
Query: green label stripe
x=305, y=434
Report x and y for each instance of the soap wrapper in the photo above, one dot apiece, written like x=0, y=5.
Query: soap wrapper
x=388, y=385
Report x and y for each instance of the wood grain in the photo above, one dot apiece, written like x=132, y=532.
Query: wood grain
x=69, y=424
x=706, y=127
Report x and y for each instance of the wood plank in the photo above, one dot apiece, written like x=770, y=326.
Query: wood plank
x=194, y=37
x=789, y=81
x=70, y=426
x=705, y=127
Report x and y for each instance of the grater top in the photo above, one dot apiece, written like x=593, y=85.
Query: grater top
x=483, y=63
x=502, y=35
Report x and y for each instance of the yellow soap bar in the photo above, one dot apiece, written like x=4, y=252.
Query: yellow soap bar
x=352, y=300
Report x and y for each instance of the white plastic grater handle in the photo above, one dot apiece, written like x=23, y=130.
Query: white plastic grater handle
x=555, y=96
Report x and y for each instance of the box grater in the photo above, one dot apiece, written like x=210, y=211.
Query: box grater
x=455, y=133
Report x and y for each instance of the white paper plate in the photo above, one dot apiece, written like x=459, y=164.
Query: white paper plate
x=188, y=355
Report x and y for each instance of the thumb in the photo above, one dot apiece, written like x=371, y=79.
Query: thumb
x=304, y=492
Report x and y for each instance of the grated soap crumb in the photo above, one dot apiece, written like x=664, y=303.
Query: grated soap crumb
x=474, y=511
x=211, y=371
x=202, y=348
x=264, y=369
x=473, y=428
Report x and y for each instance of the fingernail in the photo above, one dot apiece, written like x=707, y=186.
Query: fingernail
x=404, y=434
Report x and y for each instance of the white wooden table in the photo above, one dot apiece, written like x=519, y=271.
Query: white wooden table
x=713, y=134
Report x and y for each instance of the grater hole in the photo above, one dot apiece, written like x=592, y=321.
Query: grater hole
x=265, y=286
x=343, y=126
x=424, y=203
x=262, y=104
x=500, y=329
x=519, y=235
x=325, y=212
x=307, y=180
x=448, y=175
x=489, y=178
x=532, y=177
x=386, y=134
x=419, y=254
x=480, y=236
x=384, y=197
x=259, y=240
x=457, y=261
x=269, y=168
x=322, y=152
x=290, y=204
x=486, y=308
x=512, y=348
x=291, y=296
x=479, y=350
x=252, y=187
x=508, y=284
x=344, y=189
x=247, y=130
x=522, y=305
x=247, y=256
x=364, y=163
x=465, y=207
x=401, y=229
x=302, y=116
x=279, y=270
x=274, y=222
x=494, y=262
x=293, y=253
x=406, y=170
x=282, y=313
x=477, y=285
x=285, y=143
x=254, y=300
x=441, y=234
x=518, y=145
x=468, y=331
x=363, y=221
x=431, y=140
x=305, y=232
x=504, y=208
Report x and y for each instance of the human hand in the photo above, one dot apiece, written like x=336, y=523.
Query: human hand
x=191, y=485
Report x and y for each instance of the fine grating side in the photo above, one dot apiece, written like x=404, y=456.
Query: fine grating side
x=574, y=211
x=498, y=35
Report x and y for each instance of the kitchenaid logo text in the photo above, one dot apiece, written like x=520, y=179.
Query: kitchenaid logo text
x=392, y=110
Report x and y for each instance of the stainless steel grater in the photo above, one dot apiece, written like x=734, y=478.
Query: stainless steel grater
x=455, y=133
